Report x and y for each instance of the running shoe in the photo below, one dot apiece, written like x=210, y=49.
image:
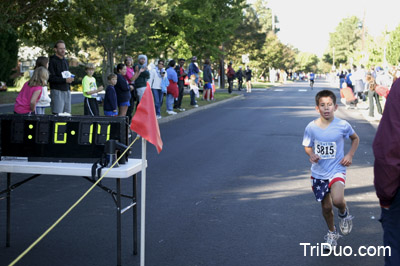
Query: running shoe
x=346, y=223
x=331, y=239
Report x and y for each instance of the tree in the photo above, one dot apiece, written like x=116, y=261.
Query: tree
x=345, y=41
x=307, y=62
x=393, y=47
x=248, y=37
x=8, y=54
x=14, y=14
x=207, y=26
x=375, y=50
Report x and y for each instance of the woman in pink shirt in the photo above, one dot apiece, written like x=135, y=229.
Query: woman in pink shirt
x=31, y=91
x=131, y=76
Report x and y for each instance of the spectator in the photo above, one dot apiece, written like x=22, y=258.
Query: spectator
x=386, y=147
x=371, y=85
x=143, y=76
x=208, y=80
x=347, y=96
x=194, y=88
x=230, y=73
x=359, y=77
x=60, y=80
x=248, y=79
x=110, y=99
x=156, y=81
x=123, y=90
x=172, y=89
x=31, y=91
x=131, y=76
x=383, y=82
x=349, y=79
x=44, y=100
x=90, y=90
x=181, y=84
x=193, y=70
x=239, y=75
x=342, y=77
x=164, y=83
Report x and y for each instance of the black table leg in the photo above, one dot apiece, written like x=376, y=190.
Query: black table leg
x=119, y=222
x=8, y=237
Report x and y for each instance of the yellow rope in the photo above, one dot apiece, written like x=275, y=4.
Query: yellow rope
x=70, y=209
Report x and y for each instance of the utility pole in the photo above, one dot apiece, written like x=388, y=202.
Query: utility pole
x=273, y=20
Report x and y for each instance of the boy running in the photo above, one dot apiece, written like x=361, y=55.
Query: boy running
x=324, y=142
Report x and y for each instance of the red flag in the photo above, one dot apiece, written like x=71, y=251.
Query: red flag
x=144, y=122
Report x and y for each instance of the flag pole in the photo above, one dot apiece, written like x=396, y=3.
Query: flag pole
x=143, y=203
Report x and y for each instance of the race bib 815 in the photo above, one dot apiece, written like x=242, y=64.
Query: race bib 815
x=325, y=150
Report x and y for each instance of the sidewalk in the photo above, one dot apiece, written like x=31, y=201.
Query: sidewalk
x=166, y=119
x=363, y=109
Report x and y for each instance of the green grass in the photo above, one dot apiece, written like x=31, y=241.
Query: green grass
x=8, y=97
x=77, y=109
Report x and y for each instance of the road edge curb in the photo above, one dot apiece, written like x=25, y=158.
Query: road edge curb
x=195, y=110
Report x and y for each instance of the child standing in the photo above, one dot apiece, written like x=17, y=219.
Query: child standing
x=194, y=88
x=31, y=91
x=44, y=100
x=110, y=100
x=324, y=142
x=90, y=91
x=172, y=89
x=164, y=86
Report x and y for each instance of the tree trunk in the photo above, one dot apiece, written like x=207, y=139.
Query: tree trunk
x=108, y=64
x=222, y=68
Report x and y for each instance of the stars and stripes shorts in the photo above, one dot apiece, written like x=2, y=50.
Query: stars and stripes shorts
x=321, y=187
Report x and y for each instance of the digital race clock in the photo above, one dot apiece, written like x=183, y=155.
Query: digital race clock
x=59, y=138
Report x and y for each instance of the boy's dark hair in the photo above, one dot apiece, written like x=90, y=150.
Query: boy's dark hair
x=172, y=63
x=111, y=76
x=59, y=41
x=119, y=67
x=325, y=93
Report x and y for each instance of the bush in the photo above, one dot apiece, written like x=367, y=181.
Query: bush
x=20, y=81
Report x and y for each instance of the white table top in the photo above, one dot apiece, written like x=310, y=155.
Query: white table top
x=126, y=170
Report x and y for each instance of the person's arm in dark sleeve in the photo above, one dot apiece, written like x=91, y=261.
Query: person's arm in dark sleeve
x=147, y=74
x=386, y=147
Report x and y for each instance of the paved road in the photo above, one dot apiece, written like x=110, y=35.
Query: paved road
x=231, y=187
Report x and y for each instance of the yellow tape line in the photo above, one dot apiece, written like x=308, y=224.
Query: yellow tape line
x=70, y=209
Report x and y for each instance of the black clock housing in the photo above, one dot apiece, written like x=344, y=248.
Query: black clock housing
x=52, y=138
